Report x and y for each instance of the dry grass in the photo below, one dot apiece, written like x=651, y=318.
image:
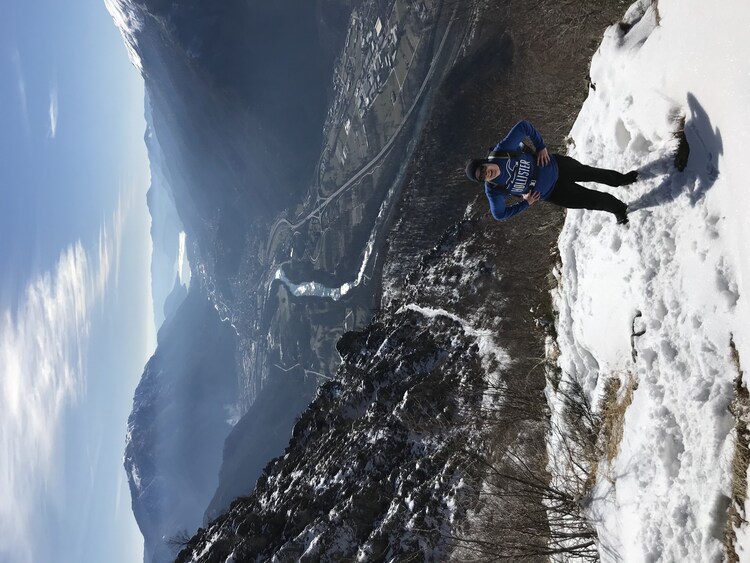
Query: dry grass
x=740, y=408
x=614, y=405
x=605, y=428
x=657, y=14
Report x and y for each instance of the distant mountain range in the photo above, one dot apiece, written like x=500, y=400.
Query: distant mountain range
x=180, y=418
x=165, y=223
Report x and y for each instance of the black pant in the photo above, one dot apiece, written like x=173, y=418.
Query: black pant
x=566, y=193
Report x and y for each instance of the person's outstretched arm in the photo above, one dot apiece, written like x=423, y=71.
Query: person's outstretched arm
x=513, y=141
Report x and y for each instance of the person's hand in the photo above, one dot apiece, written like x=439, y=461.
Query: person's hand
x=542, y=157
x=531, y=197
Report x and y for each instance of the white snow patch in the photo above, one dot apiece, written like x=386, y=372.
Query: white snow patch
x=197, y=557
x=485, y=338
x=676, y=273
x=494, y=358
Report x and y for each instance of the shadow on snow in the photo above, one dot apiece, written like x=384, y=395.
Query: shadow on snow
x=701, y=171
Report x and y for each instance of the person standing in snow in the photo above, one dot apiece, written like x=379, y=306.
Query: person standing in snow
x=520, y=165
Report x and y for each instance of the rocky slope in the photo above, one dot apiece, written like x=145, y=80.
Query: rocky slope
x=377, y=466
x=384, y=462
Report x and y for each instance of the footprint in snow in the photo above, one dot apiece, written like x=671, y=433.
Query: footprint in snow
x=668, y=242
x=622, y=135
x=616, y=243
x=697, y=321
x=660, y=310
x=727, y=286
x=668, y=351
x=640, y=144
x=711, y=221
x=671, y=443
x=702, y=391
x=638, y=329
x=701, y=253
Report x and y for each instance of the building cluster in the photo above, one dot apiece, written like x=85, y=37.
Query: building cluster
x=379, y=46
x=368, y=59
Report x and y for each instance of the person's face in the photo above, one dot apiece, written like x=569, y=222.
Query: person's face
x=488, y=172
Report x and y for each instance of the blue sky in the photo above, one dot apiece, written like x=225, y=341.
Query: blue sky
x=76, y=323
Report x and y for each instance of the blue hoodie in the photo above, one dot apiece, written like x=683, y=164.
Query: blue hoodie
x=517, y=172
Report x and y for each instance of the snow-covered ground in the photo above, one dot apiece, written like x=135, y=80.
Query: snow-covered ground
x=676, y=272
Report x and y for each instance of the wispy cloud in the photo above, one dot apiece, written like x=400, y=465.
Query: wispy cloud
x=15, y=58
x=53, y=112
x=43, y=349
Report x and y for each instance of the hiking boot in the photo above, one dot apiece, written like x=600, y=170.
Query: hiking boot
x=622, y=217
x=630, y=178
